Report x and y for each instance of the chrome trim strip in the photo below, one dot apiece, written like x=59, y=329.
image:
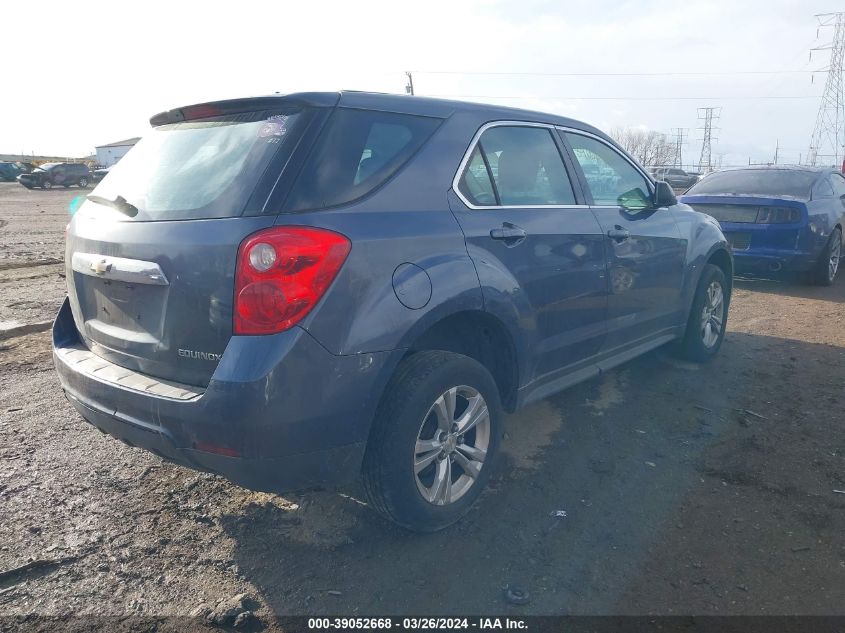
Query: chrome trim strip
x=133, y=271
x=456, y=180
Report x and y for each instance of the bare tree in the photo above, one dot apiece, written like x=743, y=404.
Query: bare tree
x=648, y=147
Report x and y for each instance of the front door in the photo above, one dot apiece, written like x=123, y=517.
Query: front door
x=534, y=244
x=646, y=254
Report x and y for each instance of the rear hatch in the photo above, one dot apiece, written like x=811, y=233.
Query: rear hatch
x=151, y=254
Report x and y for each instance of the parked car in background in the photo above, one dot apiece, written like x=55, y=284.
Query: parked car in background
x=358, y=284
x=50, y=174
x=778, y=218
x=100, y=173
x=677, y=178
x=10, y=171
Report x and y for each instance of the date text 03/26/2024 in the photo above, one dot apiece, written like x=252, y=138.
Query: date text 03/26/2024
x=417, y=624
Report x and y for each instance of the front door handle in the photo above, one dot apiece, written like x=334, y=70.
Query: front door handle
x=510, y=233
x=618, y=234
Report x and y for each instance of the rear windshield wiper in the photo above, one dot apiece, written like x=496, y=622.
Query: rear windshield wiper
x=119, y=203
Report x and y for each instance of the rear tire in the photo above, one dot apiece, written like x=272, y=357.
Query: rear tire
x=46, y=184
x=708, y=316
x=828, y=264
x=417, y=473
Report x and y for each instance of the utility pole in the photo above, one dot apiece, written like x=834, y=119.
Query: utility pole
x=708, y=116
x=777, y=147
x=680, y=132
x=827, y=145
x=409, y=87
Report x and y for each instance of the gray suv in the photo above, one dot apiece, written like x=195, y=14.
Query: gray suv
x=677, y=178
x=296, y=291
x=50, y=174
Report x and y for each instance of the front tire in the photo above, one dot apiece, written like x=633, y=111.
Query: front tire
x=434, y=440
x=828, y=264
x=83, y=183
x=46, y=184
x=708, y=316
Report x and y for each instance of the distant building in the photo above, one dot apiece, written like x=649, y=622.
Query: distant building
x=108, y=155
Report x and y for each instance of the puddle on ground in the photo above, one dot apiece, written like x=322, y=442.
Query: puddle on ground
x=529, y=431
x=611, y=392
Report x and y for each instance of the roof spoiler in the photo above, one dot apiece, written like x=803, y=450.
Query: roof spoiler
x=235, y=106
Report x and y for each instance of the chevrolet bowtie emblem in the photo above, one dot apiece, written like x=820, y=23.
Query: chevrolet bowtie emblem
x=100, y=267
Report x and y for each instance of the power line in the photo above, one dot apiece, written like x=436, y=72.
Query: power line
x=628, y=97
x=614, y=74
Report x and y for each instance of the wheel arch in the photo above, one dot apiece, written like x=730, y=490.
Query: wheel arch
x=480, y=336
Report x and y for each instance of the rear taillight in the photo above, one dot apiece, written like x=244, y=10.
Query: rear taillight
x=281, y=274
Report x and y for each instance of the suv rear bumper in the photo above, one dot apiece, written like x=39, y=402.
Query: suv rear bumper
x=280, y=412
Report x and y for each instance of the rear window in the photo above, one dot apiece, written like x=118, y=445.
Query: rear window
x=201, y=169
x=757, y=182
x=358, y=151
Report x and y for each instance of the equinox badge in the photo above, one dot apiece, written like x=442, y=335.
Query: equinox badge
x=189, y=353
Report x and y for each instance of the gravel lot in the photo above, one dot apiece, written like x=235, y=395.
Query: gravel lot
x=687, y=490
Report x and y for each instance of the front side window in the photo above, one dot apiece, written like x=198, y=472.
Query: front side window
x=612, y=180
x=517, y=166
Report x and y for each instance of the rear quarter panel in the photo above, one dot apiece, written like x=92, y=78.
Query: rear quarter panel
x=406, y=221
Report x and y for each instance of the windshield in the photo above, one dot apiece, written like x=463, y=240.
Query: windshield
x=757, y=182
x=198, y=169
x=46, y=166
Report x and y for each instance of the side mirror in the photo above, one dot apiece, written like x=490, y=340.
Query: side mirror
x=663, y=195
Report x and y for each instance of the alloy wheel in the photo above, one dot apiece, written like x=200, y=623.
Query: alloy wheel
x=451, y=445
x=713, y=314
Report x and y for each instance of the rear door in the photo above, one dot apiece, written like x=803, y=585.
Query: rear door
x=534, y=242
x=646, y=253
x=151, y=254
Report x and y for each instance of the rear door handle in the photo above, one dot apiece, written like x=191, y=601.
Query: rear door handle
x=618, y=234
x=509, y=233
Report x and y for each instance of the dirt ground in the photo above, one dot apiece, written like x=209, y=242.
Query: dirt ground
x=687, y=489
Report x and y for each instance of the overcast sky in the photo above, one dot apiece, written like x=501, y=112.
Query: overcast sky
x=86, y=74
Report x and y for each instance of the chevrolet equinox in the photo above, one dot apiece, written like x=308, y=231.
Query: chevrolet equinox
x=295, y=291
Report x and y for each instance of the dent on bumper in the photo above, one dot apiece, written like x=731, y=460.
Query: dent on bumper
x=296, y=415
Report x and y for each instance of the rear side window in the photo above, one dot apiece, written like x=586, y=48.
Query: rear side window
x=200, y=169
x=358, y=151
x=475, y=183
x=525, y=168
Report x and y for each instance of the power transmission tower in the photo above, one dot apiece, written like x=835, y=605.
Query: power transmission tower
x=680, y=132
x=827, y=145
x=708, y=115
x=409, y=87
